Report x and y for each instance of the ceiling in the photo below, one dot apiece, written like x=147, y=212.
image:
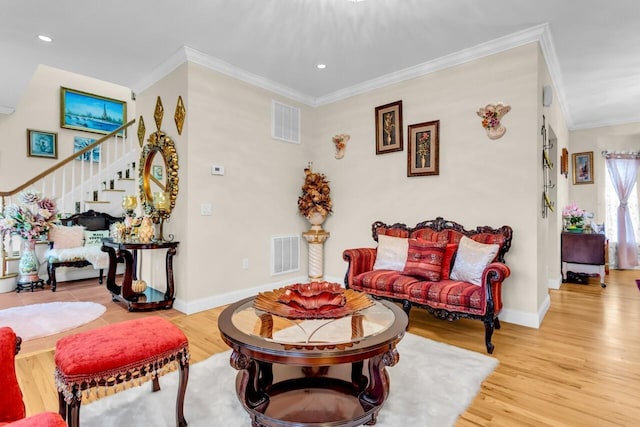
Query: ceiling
x=592, y=48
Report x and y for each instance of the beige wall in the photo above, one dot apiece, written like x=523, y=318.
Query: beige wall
x=481, y=181
x=612, y=138
x=229, y=124
x=39, y=109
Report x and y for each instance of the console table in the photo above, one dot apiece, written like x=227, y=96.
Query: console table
x=584, y=253
x=150, y=299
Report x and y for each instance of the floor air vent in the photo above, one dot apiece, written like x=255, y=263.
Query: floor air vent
x=285, y=254
x=286, y=123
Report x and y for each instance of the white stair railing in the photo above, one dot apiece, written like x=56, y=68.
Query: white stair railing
x=77, y=185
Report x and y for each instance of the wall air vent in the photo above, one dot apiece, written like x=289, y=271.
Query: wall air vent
x=286, y=123
x=285, y=254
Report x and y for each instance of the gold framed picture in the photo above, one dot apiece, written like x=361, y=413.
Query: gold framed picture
x=389, y=128
x=424, y=147
x=582, y=167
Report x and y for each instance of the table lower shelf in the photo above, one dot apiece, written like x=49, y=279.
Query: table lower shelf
x=150, y=299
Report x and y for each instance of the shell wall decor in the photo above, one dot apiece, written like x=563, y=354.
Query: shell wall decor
x=491, y=115
x=340, y=142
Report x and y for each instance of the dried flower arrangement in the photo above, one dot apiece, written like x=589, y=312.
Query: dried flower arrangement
x=315, y=195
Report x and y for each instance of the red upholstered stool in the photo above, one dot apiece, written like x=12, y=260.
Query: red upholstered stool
x=115, y=354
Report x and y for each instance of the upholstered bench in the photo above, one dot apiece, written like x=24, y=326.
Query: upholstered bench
x=76, y=243
x=118, y=353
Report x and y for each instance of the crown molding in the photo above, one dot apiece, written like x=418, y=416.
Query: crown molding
x=481, y=50
x=539, y=33
x=6, y=110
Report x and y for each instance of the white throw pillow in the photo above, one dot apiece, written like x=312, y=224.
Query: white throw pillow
x=471, y=260
x=66, y=237
x=94, y=238
x=392, y=253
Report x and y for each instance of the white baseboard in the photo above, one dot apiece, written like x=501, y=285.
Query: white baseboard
x=523, y=318
x=510, y=316
x=554, y=282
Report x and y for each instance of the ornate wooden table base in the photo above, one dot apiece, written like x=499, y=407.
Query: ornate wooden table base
x=318, y=382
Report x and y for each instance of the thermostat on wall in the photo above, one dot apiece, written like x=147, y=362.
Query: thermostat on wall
x=217, y=170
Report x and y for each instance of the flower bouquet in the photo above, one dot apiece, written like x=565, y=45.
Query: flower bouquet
x=315, y=196
x=573, y=217
x=32, y=219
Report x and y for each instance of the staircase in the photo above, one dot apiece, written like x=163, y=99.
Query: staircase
x=95, y=177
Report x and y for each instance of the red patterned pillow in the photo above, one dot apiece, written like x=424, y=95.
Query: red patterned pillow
x=424, y=259
x=447, y=259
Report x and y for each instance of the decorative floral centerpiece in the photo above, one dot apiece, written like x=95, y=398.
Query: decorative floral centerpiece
x=32, y=219
x=573, y=215
x=315, y=198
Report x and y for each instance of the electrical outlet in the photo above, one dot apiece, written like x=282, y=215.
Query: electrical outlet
x=245, y=263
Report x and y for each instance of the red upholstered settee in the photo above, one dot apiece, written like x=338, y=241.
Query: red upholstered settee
x=450, y=271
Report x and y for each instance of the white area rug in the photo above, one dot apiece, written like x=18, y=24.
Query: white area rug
x=431, y=386
x=40, y=320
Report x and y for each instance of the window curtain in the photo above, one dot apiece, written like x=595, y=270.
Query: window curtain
x=623, y=173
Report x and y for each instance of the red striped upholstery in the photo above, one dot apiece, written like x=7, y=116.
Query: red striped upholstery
x=424, y=259
x=450, y=295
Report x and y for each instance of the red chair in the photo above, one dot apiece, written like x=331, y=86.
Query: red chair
x=12, y=410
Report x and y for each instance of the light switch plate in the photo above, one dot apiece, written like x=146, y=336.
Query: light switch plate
x=206, y=209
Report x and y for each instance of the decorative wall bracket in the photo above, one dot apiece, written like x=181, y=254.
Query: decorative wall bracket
x=491, y=115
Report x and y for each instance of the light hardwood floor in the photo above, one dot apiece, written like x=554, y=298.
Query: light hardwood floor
x=580, y=368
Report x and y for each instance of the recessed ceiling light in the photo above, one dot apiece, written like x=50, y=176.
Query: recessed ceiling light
x=45, y=38
x=321, y=66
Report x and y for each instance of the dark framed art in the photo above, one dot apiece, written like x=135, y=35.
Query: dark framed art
x=424, y=147
x=582, y=167
x=91, y=113
x=42, y=144
x=564, y=163
x=389, y=128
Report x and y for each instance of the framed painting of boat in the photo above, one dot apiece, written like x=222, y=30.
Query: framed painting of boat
x=90, y=113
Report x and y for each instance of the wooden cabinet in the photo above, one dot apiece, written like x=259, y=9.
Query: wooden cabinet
x=584, y=253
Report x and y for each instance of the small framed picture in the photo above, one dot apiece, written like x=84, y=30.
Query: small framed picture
x=79, y=143
x=42, y=144
x=389, y=128
x=157, y=172
x=582, y=167
x=424, y=146
x=564, y=163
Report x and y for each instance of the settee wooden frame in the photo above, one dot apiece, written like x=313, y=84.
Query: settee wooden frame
x=92, y=221
x=494, y=273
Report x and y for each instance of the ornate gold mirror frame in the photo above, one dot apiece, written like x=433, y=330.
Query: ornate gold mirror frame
x=158, y=177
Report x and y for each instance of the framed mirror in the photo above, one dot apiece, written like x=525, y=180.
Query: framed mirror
x=158, y=176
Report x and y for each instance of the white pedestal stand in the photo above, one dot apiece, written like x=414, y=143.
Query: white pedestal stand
x=316, y=237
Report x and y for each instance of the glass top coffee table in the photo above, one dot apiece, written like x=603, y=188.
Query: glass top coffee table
x=319, y=372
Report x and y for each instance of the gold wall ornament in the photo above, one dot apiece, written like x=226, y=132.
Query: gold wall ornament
x=491, y=115
x=158, y=114
x=141, y=131
x=179, y=115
